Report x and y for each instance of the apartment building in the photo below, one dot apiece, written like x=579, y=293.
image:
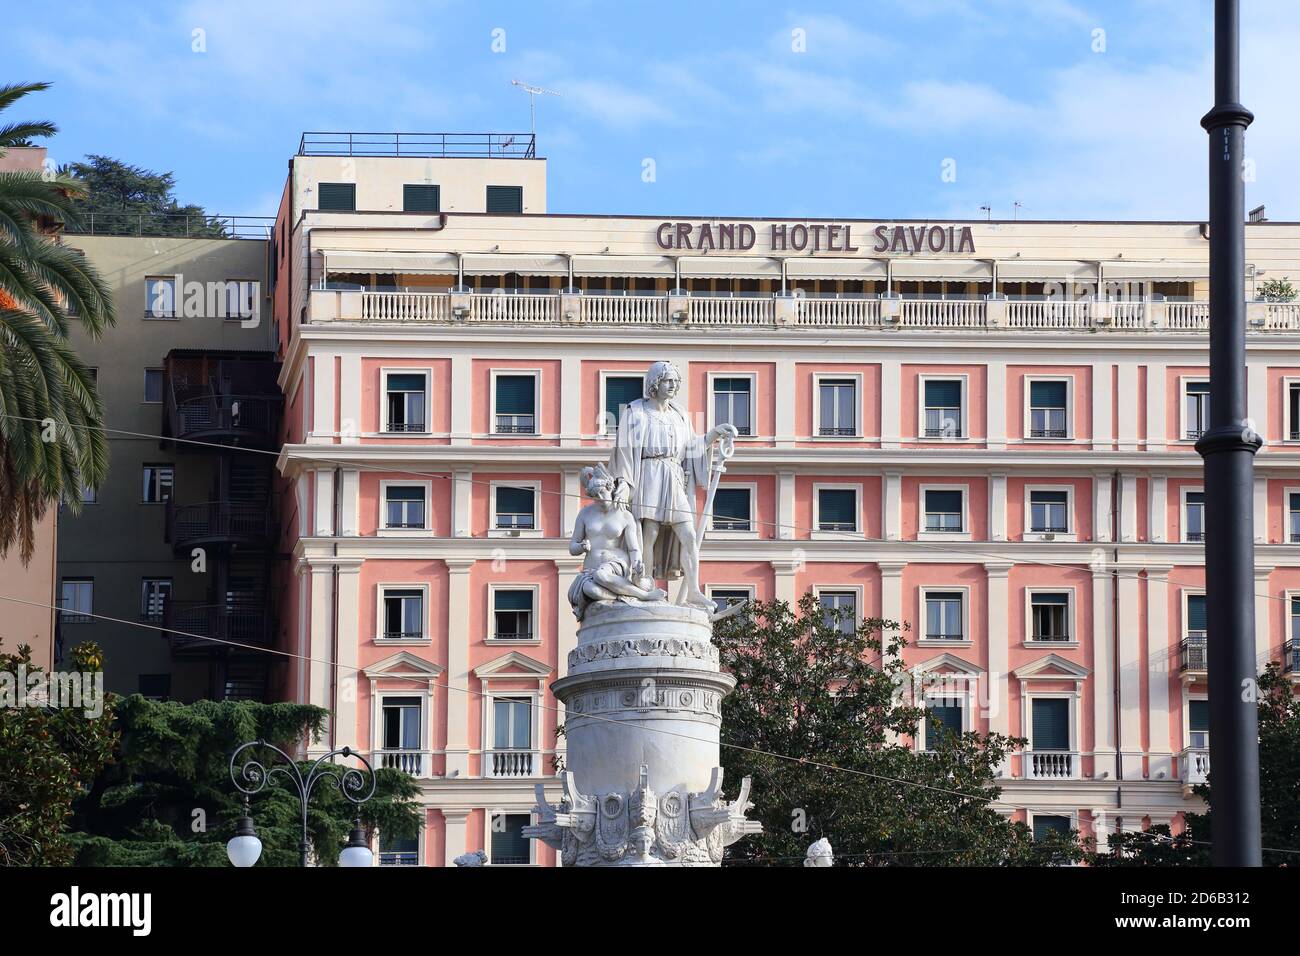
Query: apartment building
x=180, y=537
x=983, y=429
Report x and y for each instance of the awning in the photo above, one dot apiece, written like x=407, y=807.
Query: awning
x=828, y=268
x=439, y=263
x=495, y=264
x=1120, y=270
x=961, y=270
x=1048, y=270
x=725, y=267
x=634, y=266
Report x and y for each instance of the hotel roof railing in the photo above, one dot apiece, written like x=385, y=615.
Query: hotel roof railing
x=422, y=145
x=170, y=225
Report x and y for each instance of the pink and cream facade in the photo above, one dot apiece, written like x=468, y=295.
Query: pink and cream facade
x=941, y=423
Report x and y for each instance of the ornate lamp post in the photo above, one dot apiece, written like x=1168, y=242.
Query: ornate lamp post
x=252, y=777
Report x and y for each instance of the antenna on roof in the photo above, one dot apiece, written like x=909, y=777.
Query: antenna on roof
x=533, y=92
x=988, y=212
x=1015, y=209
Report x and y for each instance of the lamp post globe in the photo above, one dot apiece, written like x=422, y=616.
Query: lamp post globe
x=244, y=847
x=357, y=852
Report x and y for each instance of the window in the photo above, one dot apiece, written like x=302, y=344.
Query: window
x=1198, y=724
x=157, y=480
x=1194, y=516
x=337, y=197
x=404, y=506
x=942, y=715
x=731, y=509
x=160, y=297
x=153, y=385
x=240, y=299
x=943, y=408
x=401, y=722
x=155, y=686
x=403, y=610
x=1045, y=824
x=406, y=399
x=944, y=615
x=1293, y=411
x=837, y=509
x=1196, y=409
x=516, y=404
x=1049, y=615
x=837, y=403
x=399, y=851
x=1048, y=409
x=944, y=510
x=1050, y=724
x=732, y=402
x=512, y=723
x=1049, y=512
x=516, y=508
x=1293, y=517
x=620, y=391
x=417, y=197
x=839, y=609
x=1194, y=628
x=509, y=846
x=154, y=594
x=512, y=614
x=724, y=598
x=76, y=600
x=505, y=199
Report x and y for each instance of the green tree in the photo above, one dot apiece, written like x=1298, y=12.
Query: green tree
x=810, y=688
x=131, y=200
x=48, y=758
x=50, y=415
x=167, y=799
x=1279, y=794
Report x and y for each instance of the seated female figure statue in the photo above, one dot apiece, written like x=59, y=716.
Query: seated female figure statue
x=610, y=537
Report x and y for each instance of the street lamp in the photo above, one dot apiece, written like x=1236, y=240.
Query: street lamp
x=245, y=848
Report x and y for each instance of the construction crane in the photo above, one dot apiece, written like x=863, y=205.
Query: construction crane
x=533, y=92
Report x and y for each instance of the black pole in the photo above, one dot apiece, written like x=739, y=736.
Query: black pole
x=1228, y=448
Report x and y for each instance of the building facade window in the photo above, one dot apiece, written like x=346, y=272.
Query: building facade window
x=837, y=509
x=421, y=197
x=1050, y=724
x=155, y=686
x=516, y=404
x=240, y=299
x=943, y=715
x=1048, y=409
x=1049, y=616
x=732, y=509
x=516, y=508
x=944, y=615
x=839, y=609
x=509, y=846
x=403, y=614
x=406, y=401
x=157, y=483
x=1196, y=409
x=1194, y=516
x=943, y=408
x=160, y=297
x=512, y=614
x=1198, y=724
x=724, y=598
x=512, y=723
x=505, y=199
x=733, y=402
x=154, y=595
x=1194, y=633
x=76, y=600
x=1293, y=411
x=337, y=197
x=398, y=851
x=404, y=506
x=1046, y=824
x=153, y=385
x=1049, y=511
x=620, y=392
x=1293, y=517
x=945, y=510
x=837, y=403
x=401, y=725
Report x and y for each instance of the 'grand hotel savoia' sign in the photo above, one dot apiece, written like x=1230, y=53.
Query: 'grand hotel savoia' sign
x=814, y=237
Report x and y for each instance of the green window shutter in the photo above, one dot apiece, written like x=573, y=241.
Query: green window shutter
x=1051, y=721
x=1047, y=394
x=941, y=715
x=1049, y=497
x=340, y=197
x=621, y=391
x=406, y=383
x=405, y=493
x=1198, y=715
x=418, y=197
x=943, y=502
x=1196, y=612
x=512, y=600
x=516, y=394
x=837, y=505
x=731, y=503
x=509, y=845
x=1043, y=825
x=505, y=199
x=944, y=394
x=514, y=501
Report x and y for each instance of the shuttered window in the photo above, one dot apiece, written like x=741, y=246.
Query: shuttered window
x=1043, y=825
x=1051, y=724
x=505, y=199
x=1047, y=394
x=512, y=612
x=837, y=509
x=731, y=509
x=943, y=714
x=515, y=508
x=943, y=409
x=417, y=197
x=516, y=404
x=620, y=391
x=339, y=197
x=1196, y=612
x=944, y=510
x=1198, y=723
x=509, y=845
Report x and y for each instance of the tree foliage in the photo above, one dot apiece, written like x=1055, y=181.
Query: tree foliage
x=48, y=758
x=168, y=799
x=131, y=200
x=811, y=686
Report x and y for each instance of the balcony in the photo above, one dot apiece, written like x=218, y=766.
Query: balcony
x=250, y=420
x=1291, y=658
x=416, y=763
x=512, y=763
x=1051, y=764
x=1191, y=653
x=219, y=522
x=1195, y=762
x=199, y=629
x=761, y=311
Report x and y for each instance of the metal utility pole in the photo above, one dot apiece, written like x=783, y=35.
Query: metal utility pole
x=1228, y=448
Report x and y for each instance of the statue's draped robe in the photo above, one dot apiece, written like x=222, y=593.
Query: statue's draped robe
x=660, y=455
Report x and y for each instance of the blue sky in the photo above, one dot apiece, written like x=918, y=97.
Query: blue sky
x=1024, y=100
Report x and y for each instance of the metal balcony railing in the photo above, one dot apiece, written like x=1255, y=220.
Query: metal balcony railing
x=431, y=145
x=1291, y=657
x=198, y=628
x=1192, y=652
x=212, y=416
x=219, y=522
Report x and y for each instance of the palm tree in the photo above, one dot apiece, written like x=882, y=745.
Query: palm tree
x=51, y=443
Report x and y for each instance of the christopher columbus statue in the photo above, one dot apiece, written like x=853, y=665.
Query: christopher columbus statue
x=663, y=460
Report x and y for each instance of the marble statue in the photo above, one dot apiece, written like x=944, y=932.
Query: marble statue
x=819, y=854
x=662, y=458
x=606, y=532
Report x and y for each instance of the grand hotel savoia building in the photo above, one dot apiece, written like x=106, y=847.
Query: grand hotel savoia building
x=983, y=429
